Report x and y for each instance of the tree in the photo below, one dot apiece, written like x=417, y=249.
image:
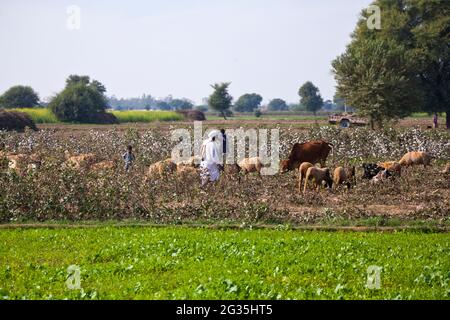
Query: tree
x=19, y=97
x=181, y=104
x=248, y=102
x=416, y=34
x=369, y=78
x=162, y=105
x=80, y=101
x=339, y=102
x=202, y=108
x=328, y=105
x=220, y=99
x=278, y=105
x=297, y=107
x=73, y=79
x=310, y=97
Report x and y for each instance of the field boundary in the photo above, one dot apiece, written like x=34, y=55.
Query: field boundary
x=434, y=229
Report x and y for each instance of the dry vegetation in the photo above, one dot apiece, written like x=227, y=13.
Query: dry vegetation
x=57, y=192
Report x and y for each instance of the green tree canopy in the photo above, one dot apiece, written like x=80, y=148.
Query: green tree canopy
x=369, y=79
x=248, y=102
x=278, y=105
x=19, y=97
x=220, y=100
x=415, y=51
x=310, y=97
x=162, y=105
x=181, y=104
x=80, y=101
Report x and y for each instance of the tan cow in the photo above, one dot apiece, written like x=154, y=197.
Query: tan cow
x=302, y=173
x=414, y=158
x=345, y=176
x=318, y=175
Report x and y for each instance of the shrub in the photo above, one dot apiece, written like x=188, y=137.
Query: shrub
x=79, y=102
x=14, y=120
x=19, y=97
x=104, y=118
x=194, y=115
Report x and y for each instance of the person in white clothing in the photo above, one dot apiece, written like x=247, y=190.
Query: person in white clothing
x=210, y=159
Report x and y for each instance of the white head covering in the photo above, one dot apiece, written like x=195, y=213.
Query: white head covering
x=214, y=133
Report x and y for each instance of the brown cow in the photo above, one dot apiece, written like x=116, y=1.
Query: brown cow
x=312, y=151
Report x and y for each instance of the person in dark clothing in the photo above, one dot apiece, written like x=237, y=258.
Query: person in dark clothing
x=128, y=157
x=224, y=145
x=224, y=141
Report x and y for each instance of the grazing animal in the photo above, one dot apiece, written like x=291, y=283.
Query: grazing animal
x=312, y=151
x=446, y=169
x=393, y=166
x=161, y=168
x=415, y=158
x=381, y=176
x=318, y=175
x=371, y=170
x=187, y=172
x=17, y=163
x=249, y=165
x=302, y=173
x=79, y=161
x=345, y=175
x=191, y=162
x=103, y=165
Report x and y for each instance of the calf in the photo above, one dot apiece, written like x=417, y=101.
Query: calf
x=371, y=170
x=302, y=173
x=393, y=166
x=249, y=165
x=318, y=175
x=343, y=175
x=381, y=176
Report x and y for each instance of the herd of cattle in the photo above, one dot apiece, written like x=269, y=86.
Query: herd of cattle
x=308, y=158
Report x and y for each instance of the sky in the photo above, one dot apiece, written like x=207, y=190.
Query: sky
x=176, y=47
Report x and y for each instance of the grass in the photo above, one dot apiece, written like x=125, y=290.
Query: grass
x=39, y=115
x=147, y=116
x=194, y=263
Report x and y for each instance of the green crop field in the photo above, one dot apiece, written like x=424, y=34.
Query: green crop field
x=147, y=116
x=39, y=115
x=189, y=263
x=44, y=115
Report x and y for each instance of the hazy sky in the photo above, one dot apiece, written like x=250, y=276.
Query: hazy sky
x=177, y=47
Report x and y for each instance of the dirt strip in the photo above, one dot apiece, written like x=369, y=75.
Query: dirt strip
x=232, y=227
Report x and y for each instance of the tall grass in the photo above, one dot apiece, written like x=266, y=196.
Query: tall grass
x=39, y=115
x=147, y=116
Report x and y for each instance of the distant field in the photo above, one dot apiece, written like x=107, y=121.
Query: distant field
x=147, y=116
x=269, y=117
x=39, y=115
x=44, y=115
x=189, y=263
